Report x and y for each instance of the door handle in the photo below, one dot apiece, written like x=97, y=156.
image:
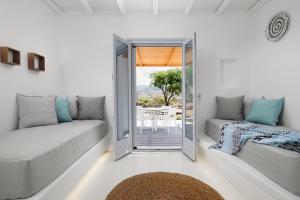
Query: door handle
x=126, y=134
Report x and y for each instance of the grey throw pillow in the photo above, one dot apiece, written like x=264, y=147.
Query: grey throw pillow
x=230, y=108
x=73, y=107
x=36, y=111
x=90, y=108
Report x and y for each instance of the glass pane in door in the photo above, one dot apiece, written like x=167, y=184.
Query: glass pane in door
x=189, y=91
x=122, y=97
x=122, y=75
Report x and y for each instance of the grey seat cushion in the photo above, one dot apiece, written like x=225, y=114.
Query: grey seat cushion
x=91, y=108
x=32, y=158
x=36, y=110
x=280, y=165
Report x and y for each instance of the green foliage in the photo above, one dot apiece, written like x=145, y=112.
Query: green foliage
x=189, y=83
x=178, y=117
x=153, y=101
x=169, y=82
x=144, y=101
x=147, y=101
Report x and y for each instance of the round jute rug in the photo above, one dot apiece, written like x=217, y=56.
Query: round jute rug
x=163, y=186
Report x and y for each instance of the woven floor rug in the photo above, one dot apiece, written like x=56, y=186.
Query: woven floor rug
x=163, y=186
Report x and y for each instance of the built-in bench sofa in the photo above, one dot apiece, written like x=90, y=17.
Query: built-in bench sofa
x=32, y=158
x=280, y=165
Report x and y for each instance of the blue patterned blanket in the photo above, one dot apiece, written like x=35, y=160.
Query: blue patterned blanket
x=235, y=134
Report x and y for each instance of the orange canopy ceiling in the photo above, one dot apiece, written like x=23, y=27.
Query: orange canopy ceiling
x=158, y=56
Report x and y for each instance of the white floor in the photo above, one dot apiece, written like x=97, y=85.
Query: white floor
x=106, y=173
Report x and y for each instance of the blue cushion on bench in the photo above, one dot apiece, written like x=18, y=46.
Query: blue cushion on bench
x=265, y=111
x=62, y=109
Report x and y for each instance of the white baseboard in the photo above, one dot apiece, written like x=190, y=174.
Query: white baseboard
x=63, y=185
x=248, y=180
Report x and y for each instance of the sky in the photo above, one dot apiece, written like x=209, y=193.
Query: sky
x=143, y=74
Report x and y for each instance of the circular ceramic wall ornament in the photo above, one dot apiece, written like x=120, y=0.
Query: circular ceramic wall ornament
x=277, y=26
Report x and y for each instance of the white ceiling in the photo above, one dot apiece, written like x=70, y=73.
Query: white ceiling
x=101, y=5
x=241, y=5
x=164, y=6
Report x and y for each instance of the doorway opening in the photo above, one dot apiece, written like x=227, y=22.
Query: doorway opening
x=127, y=123
x=158, y=97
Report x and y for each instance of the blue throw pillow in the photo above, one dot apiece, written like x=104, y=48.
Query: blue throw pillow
x=265, y=111
x=62, y=109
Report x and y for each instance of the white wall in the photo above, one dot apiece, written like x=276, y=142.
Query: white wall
x=82, y=44
x=29, y=26
x=275, y=66
x=86, y=50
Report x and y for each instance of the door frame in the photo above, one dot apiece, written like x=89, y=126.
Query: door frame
x=136, y=42
x=190, y=147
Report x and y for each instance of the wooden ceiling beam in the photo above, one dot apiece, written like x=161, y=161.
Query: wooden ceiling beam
x=138, y=56
x=158, y=56
x=155, y=7
x=222, y=8
x=171, y=56
x=189, y=7
x=87, y=6
x=121, y=6
x=53, y=6
x=150, y=65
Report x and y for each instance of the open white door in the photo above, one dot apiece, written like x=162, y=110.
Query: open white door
x=122, y=142
x=189, y=101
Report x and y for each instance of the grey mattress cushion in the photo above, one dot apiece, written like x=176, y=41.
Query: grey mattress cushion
x=230, y=108
x=91, y=108
x=32, y=158
x=213, y=128
x=73, y=107
x=278, y=164
x=36, y=110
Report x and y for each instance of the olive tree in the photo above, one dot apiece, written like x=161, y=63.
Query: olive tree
x=169, y=82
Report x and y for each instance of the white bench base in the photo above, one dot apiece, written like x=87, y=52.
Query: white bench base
x=249, y=181
x=64, y=184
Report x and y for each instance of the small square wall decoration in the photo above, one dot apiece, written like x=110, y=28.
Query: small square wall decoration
x=10, y=56
x=36, y=62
